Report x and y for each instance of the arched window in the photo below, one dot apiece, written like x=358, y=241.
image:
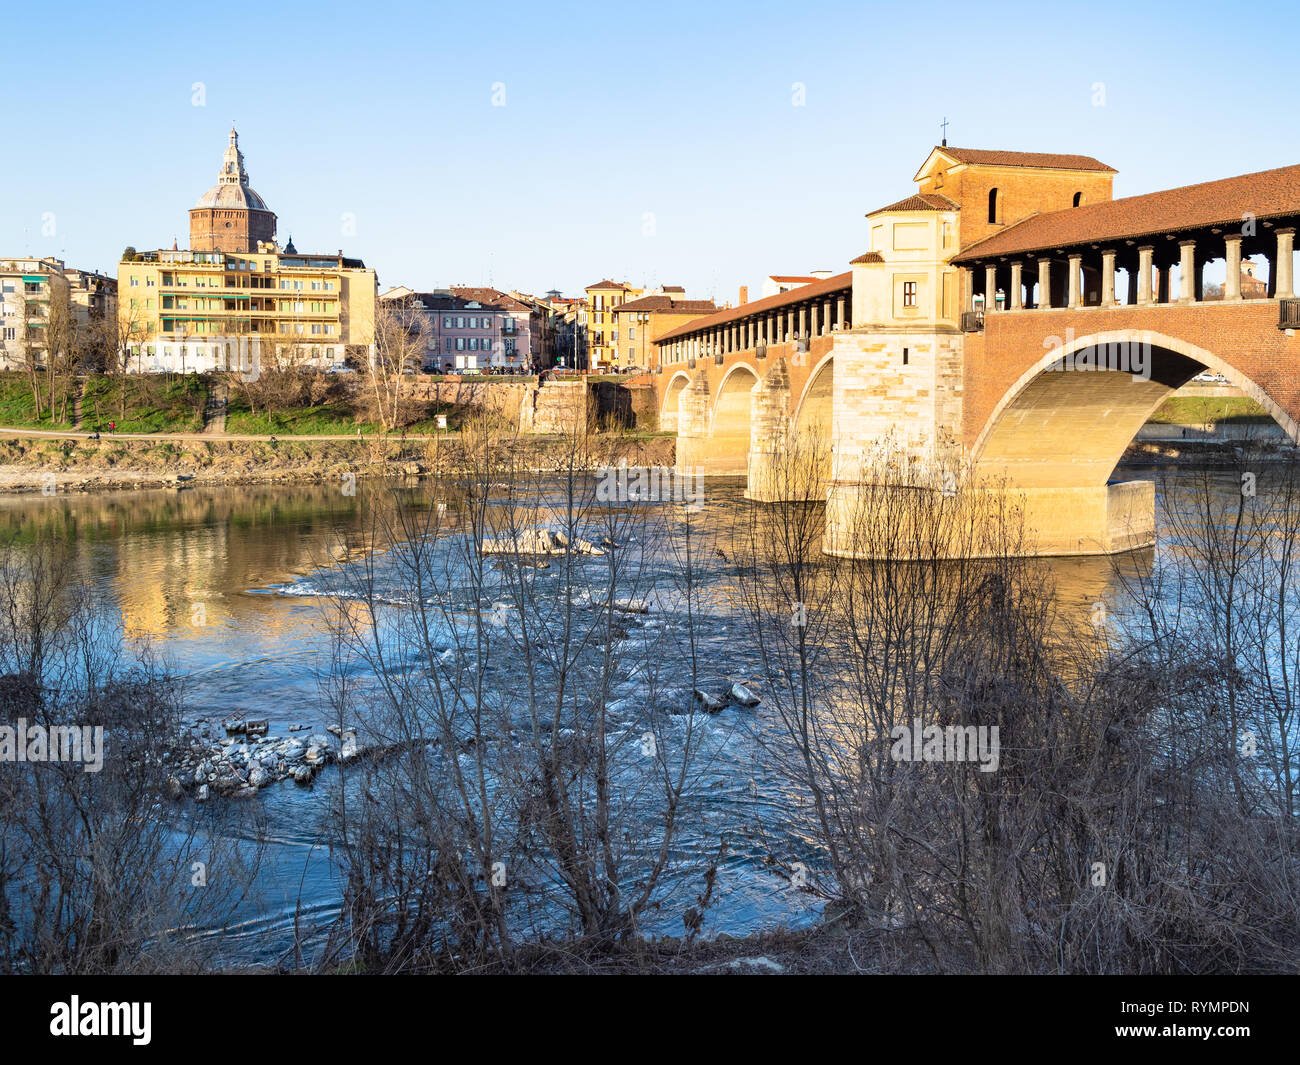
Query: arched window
x=1078, y=198
x=993, y=205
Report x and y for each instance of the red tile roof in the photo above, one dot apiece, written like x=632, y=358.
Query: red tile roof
x=1266, y=194
x=823, y=287
x=796, y=278
x=868, y=257
x=480, y=294
x=922, y=201
x=608, y=284
x=667, y=305
x=1050, y=160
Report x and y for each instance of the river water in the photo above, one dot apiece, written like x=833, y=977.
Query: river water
x=226, y=583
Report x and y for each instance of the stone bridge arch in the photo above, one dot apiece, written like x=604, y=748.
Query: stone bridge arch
x=1057, y=434
x=1092, y=415
x=672, y=394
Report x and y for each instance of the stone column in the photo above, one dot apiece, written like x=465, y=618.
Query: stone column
x=1016, y=301
x=826, y=317
x=967, y=287
x=1285, y=287
x=1076, y=265
x=789, y=324
x=1232, y=281
x=803, y=320
x=839, y=311
x=1187, y=271
x=1144, y=274
x=769, y=443
x=990, y=289
x=1108, y=278
x=1044, y=283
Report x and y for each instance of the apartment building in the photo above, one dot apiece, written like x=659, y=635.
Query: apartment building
x=603, y=298
x=476, y=329
x=639, y=322
x=198, y=311
x=32, y=291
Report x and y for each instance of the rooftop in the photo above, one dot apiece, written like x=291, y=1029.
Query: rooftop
x=668, y=305
x=921, y=201
x=1266, y=194
x=1048, y=160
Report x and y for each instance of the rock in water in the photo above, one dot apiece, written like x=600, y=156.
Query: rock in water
x=708, y=703
x=742, y=695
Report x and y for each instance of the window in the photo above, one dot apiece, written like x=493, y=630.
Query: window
x=993, y=205
x=460, y=343
x=473, y=323
x=449, y=343
x=905, y=356
x=460, y=323
x=909, y=293
x=1078, y=198
x=446, y=322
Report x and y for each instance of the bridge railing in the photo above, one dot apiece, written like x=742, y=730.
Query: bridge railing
x=1288, y=314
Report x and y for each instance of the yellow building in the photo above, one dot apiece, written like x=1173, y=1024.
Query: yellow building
x=196, y=311
x=638, y=323
x=603, y=298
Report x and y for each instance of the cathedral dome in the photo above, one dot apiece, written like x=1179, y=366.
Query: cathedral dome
x=232, y=196
x=232, y=189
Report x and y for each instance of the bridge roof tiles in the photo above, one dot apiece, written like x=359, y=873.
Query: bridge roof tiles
x=1266, y=194
x=798, y=295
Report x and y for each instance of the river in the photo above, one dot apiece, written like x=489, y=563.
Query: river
x=226, y=583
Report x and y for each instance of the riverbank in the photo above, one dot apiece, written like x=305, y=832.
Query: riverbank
x=47, y=462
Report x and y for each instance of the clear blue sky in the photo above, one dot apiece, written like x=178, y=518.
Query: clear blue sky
x=677, y=114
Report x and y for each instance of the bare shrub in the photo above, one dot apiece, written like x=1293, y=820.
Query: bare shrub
x=533, y=771
x=92, y=878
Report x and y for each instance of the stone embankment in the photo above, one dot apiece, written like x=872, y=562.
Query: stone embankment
x=52, y=464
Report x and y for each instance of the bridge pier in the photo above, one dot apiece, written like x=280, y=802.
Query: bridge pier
x=693, y=429
x=771, y=476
